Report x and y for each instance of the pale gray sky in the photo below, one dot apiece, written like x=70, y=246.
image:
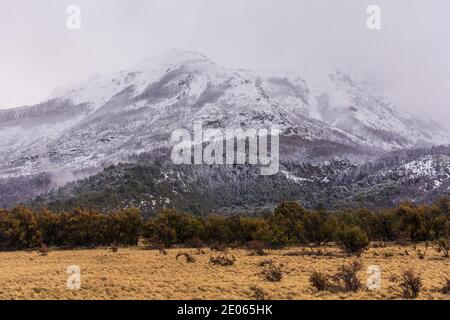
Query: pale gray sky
x=410, y=56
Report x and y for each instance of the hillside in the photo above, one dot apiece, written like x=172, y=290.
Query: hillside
x=419, y=175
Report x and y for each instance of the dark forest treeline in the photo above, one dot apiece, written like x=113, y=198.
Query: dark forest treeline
x=288, y=224
x=22, y=228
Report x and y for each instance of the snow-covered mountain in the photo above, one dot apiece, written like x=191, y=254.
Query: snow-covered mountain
x=108, y=119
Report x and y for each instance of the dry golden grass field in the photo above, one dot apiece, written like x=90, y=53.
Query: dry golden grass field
x=136, y=273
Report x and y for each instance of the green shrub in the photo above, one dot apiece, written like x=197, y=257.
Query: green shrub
x=414, y=221
x=19, y=229
x=172, y=227
x=353, y=239
x=289, y=224
x=319, y=228
x=286, y=224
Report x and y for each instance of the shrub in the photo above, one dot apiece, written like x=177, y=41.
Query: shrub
x=353, y=239
x=220, y=247
x=264, y=263
x=385, y=226
x=43, y=250
x=82, y=228
x=378, y=244
x=189, y=258
x=222, y=260
x=19, y=229
x=156, y=231
x=440, y=227
x=311, y=252
x=286, y=224
x=410, y=284
x=289, y=224
x=256, y=248
x=443, y=246
x=420, y=254
x=413, y=221
x=125, y=226
x=319, y=280
x=446, y=286
x=319, y=228
x=156, y=245
x=254, y=228
x=196, y=242
x=199, y=251
x=347, y=277
x=272, y=272
x=258, y=293
x=316, y=252
x=218, y=229
x=172, y=227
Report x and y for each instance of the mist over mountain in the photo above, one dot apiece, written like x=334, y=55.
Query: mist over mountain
x=334, y=131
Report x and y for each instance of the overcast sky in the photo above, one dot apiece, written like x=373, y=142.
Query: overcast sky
x=410, y=56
